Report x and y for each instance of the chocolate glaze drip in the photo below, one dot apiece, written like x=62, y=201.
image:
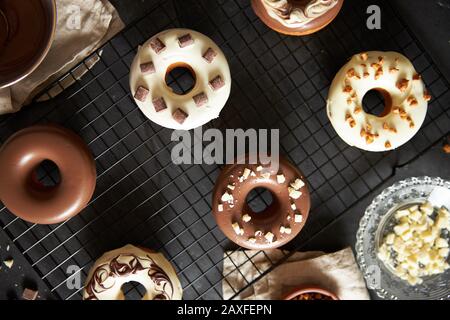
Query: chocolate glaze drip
x=118, y=268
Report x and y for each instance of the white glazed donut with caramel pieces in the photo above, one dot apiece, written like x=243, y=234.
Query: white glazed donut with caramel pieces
x=130, y=263
x=405, y=96
x=208, y=65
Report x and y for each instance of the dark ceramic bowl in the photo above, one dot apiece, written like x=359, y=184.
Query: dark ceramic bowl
x=27, y=28
x=309, y=289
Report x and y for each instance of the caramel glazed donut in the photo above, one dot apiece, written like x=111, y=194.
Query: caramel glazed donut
x=406, y=101
x=180, y=48
x=297, y=17
x=24, y=195
x=279, y=223
x=130, y=263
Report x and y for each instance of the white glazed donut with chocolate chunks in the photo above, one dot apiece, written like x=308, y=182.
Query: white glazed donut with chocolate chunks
x=172, y=49
x=405, y=96
x=130, y=263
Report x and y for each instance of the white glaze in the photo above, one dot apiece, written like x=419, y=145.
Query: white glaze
x=337, y=106
x=193, y=56
x=114, y=284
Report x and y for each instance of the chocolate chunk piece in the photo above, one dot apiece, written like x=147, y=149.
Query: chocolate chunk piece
x=141, y=94
x=147, y=68
x=216, y=83
x=180, y=116
x=157, y=45
x=200, y=99
x=185, y=40
x=209, y=55
x=159, y=104
x=29, y=294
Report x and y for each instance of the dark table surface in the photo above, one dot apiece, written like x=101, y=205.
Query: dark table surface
x=433, y=31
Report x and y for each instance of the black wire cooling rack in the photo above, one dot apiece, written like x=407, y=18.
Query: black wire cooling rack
x=278, y=82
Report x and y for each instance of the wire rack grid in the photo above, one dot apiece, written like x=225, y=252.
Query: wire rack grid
x=278, y=82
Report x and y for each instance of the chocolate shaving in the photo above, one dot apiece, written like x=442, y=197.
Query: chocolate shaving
x=159, y=104
x=209, y=55
x=185, y=40
x=141, y=94
x=29, y=294
x=216, y=83
x=180, y=116
x=157, y=45
x=200, y=99
x=147, y=68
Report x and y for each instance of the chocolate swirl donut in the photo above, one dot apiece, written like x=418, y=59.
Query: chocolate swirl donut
x=297, y=17
x=131, y=263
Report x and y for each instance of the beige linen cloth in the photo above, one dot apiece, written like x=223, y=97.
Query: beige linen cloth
x=82, y=27
x=337, y=272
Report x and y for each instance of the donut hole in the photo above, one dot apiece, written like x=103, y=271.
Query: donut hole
x=46, y=175
x=133, y=290
x=180, y=78
x=259, y=199
x=377, y=102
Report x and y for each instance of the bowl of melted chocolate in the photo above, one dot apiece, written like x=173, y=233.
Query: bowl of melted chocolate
x=26, y=33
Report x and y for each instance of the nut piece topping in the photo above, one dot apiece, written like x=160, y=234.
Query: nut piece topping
x=157, y=45
x=402, y=85
x=417, y=76
x=280, y=178
x=180, y=116
x=387, y=144
x=351, y=73
x=246, y=218
x=159, y=104
x=347, y=89
x=141, y=94
x=393, y=70
x=259, y=168
x=252, y=240
x=200, y=99
x=412, y=101
x=220, y=207
x=364, y=56
x=185, y=40
x=293, y=206
x=209, y=55
x=426, y=96
x=147, y=68
x=357, y=110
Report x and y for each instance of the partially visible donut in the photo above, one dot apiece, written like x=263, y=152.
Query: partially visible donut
x=279, y=223
x=129, y=263
x=406, y=101
x=297, y=17
x=24, y=195
x=180, y=48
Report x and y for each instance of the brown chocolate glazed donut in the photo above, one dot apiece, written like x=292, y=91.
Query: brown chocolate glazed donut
x=27, y=198
x=279, y=223
x=297, y=17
